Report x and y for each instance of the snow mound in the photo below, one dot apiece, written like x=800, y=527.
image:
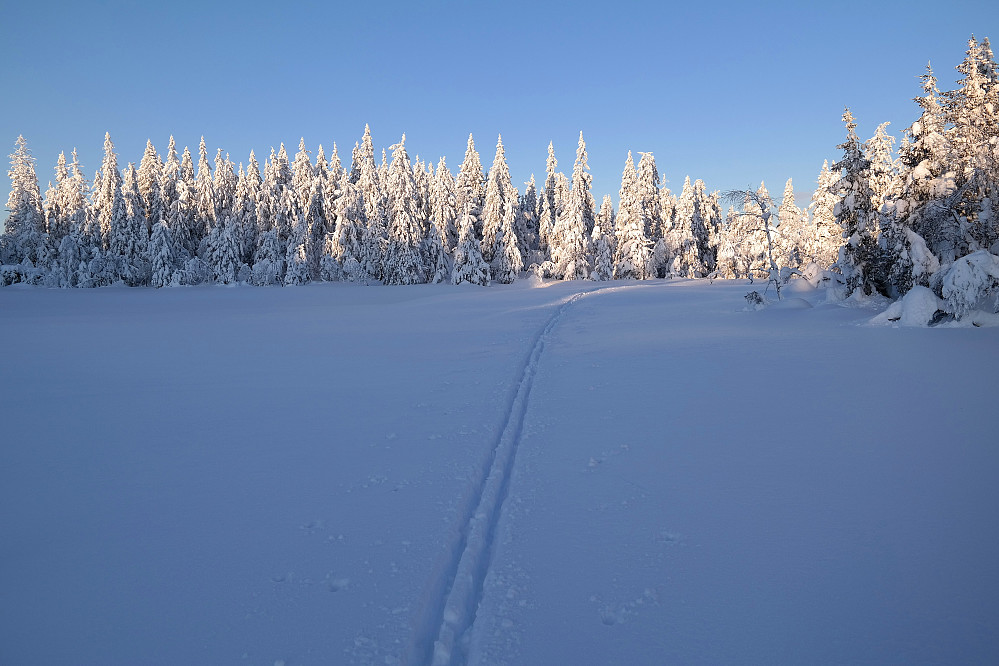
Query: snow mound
x=916, y=308
x=791, y=304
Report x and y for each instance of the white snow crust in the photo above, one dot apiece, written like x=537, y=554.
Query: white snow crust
x=588, y=473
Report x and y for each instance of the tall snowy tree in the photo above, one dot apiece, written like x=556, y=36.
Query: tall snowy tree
x=825, y=232
x=570, y=240
x=469, y=266
x=148, y=181
x=25, y=228
x=527, y=218
x=859, y=257
x=129, y=235
x=498, y=192
x=793, y=236
x=548, y=211
x=403, y=259
x=507, y=260
x=168, y=178
x=205, y=186
x=634, y=250
x=443, y=206
x=470, y=185
x=346, y=246
x=163, y=256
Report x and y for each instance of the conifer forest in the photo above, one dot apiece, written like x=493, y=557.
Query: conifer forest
x=883, y=218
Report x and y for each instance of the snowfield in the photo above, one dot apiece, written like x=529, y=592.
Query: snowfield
x=537, y=473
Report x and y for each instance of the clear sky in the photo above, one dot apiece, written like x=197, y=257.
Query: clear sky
x=730, y=92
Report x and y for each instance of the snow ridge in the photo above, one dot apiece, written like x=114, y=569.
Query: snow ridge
x=463, y=591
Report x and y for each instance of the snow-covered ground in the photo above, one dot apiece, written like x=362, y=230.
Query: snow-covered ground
x=574, y=473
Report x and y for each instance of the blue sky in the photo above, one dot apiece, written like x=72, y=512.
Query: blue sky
x=730, y=92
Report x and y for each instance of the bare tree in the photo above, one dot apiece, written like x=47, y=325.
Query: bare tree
x=766, y=207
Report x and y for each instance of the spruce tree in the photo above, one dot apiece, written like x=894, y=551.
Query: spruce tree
x=205, y=188
x=148, y=180
x=498, y=192
x=859, y=257
x=826, y=236
x=163, y=256
x=347, y=245
x=603, y=259
x=470, y=185
x=469, y=266
x=25, y=227
x=443, y=206
x=633, y=251
x=571, y=259
x=403, y=260
x=507, y=262
x=549, y=209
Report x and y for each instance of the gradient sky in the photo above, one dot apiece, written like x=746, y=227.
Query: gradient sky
x=730, y=92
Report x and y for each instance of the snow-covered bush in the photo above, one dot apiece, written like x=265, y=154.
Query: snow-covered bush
x=918, y=307
x=971, y=283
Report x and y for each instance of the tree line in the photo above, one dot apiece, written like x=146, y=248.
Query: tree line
x=880, y=220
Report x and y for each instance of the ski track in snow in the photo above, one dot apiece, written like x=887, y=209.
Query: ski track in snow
x=444, y=640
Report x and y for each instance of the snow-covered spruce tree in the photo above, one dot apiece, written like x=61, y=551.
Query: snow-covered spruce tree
x=631, y=259
x=681, y=239
x=163, y=256
x=224, y=248
x=302, y=175
x=548, y=208
x=167, y=186
x=315, y=220
x=403, y=260
x=72, y=249
x=443, y=205
x=647, y=193
x=181, y=217
x=436, y=258
x=469, y=266
x=375, y=242
x=570, y=242
x=859, y=258
x=973, y=111
x=224, y=184
x=297, y=247
x=603, y=253
x=24, y=232
x=129, y=238
x=470, y=185
x=606, y=216
x=825, y=234
x=793, y=238
x=507, y=260
x=56, y=224
x=883, y=172
x=148, y=181
x=107, y=187
x=245, y=208
x=346, y=244
x=499, y=189
x=268, y=260
x=205, y=187
x=336, y=167
x=332, y=189
x=526, y=226
x=727, y=247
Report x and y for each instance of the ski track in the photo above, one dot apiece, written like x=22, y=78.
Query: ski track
x=442, y=640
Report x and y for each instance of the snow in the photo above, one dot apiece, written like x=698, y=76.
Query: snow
x=916, y=308
x=535, y=473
